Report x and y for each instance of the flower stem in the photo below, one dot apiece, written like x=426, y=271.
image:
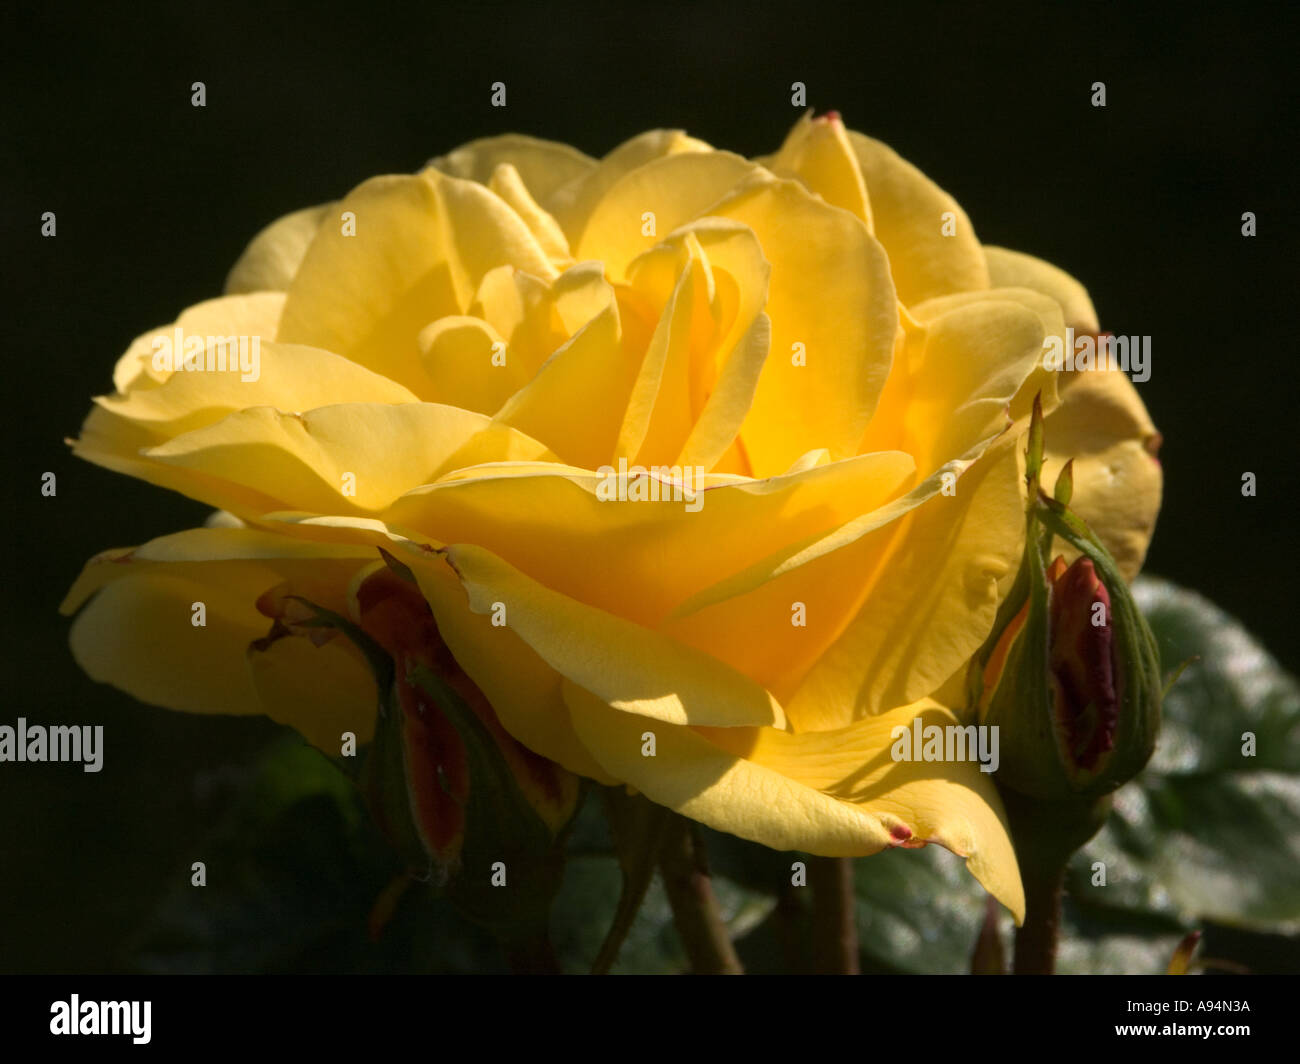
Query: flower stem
x=531, y=955
x=835, y=925
x=1046, y=835
x=685, y=868
x=988, y=956
x=637, y=826
x=1035, y=952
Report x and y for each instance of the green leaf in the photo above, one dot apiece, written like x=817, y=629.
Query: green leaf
x=1235, y=686
x=585, y=908
x=1113, y=942
x=1211, y=829
x=918, y=911
x=293, y=868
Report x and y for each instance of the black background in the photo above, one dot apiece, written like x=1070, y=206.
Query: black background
x=1141, y=200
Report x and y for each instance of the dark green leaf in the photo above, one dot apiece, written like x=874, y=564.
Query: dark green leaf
x=1211, y=829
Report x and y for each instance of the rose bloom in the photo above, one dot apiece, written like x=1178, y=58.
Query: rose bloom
x=451, y=361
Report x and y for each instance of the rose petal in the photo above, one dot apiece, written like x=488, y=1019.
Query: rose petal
x=1102, y=424
x=272, y=257
x=136, y=632
x=832, y=794
x=908, y=216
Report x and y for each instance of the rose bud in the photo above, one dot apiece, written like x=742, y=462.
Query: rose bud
x=453, y=792
x=1071, y=673
x=1081, y=662
x=444, y=778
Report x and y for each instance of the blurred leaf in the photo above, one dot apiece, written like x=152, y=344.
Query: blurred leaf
x=749, y=864
x=585, y=908
x=918, y=911
x=1235, y=686
x=1114, y=942
x=293, y=869
x=1208, y=830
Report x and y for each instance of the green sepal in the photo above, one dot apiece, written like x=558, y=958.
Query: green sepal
x=1020, y=706
x=383, y=784
x=381, y=664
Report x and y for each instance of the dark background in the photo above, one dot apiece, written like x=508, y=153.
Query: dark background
x=1141, y=200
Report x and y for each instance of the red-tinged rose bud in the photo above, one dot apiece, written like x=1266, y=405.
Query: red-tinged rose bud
x=1082, y=663
x=434, y=774
x=1070, y=678
x=431, y=748
x=1070, y=674
x=462, y=802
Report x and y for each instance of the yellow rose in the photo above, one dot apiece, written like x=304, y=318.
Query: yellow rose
x=830, y=372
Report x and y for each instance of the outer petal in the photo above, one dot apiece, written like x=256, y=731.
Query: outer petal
x=1014, y=269
x=1102, y=424
x=348, y=458
x=963, y=371
x=291, y=378
x=932, y=602
x=136, y=632
x=819, y=154
x=274, y=255
x=893, y=602
x=908, y=214
x=234, y=315
x=948, y=399
x=835, y=794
